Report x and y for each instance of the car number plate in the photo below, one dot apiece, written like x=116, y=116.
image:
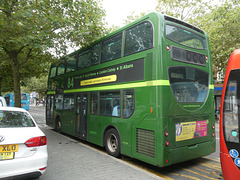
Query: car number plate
x=8, y=148
x=8, y=155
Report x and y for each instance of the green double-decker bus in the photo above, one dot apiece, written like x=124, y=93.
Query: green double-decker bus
x=144, y=91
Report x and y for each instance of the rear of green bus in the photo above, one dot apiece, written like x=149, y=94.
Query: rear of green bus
x=186, y=104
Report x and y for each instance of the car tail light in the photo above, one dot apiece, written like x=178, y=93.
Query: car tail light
x=41, y=169
x=36, y=141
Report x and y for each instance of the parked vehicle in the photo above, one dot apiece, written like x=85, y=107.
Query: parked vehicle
x=3, y=102
x=23, y=146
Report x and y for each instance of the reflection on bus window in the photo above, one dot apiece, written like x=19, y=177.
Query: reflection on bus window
x=139, y=38
x=71, y=64
x=110, y=103
x=59, y=102
x=96, y=54
x=94, y=103
x=128, y=103
x=112, y=48
x=185, y=37
x=60, y=69
x=84, y=60
x=53, y=71
x=68, y=103
x=231, y=109
x=188, y=84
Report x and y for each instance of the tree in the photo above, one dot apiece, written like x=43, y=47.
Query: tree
x=183, y=9
x=36, y=85
x=222, y=26
x=28, y=29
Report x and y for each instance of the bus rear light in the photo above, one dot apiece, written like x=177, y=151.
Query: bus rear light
x=213, y=134
x=213, y=126
x=151, y=110
x=206, y=58
x=167, y=161
x=168, y=48
x=166, y=133
x=167, y=143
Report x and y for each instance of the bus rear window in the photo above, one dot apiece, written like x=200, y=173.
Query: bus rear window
x=185, y=37
x=189, y=85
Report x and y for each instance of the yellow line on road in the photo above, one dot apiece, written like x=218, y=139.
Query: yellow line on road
x=211, y=165
x=207, y=172
x=217, y=160
x=202, y=175
x=184, y=175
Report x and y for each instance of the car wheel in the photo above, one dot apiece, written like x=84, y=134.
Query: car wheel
x=112, y=143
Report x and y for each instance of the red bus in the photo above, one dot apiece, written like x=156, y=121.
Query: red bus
x=230, y=119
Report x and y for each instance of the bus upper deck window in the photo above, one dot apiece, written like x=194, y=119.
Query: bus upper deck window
x=53, y=71
x=185, y=37
x=139, y=38
x=84, y=60
x=71, y=64
x=112, y=48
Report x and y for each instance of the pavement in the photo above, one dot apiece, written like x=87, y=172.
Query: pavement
x=70, y=159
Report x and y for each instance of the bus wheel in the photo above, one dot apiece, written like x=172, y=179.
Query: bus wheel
x=112, y=143
x=58, y=125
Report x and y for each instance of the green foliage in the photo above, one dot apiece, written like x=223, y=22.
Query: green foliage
x=183, y=9
x=221, y=22
x=36, y=85
x=222, y=26
x=31, y=30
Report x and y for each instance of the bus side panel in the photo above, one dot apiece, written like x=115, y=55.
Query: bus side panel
x=144, y=126
x=229, y=169
x=94, y=135
x=68, y=122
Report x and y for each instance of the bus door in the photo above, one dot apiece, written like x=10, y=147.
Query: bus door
x=229, y=128
x=49, y=110
x=81, y=115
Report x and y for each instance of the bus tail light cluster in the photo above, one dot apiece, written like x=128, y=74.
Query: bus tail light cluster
x=183, y=55
x=213, y=134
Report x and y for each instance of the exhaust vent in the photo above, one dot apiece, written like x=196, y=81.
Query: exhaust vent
x=146, y=142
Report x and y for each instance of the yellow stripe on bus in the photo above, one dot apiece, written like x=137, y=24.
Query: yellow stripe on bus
x=122, y=86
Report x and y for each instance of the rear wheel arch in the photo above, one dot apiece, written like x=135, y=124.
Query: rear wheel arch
x=112, y=141
x=58, y=124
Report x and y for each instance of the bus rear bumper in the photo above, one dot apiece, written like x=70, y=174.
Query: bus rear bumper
x=186, y=153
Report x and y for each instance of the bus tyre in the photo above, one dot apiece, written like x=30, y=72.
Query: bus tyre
x=112, y=143
x=58, y=125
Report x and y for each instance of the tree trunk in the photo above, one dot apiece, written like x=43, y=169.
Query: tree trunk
x=16, y=80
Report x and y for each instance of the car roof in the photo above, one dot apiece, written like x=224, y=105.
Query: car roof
x=12, y=109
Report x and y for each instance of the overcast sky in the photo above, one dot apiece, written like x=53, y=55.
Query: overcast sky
x=118, y=10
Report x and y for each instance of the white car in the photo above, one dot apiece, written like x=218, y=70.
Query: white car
x=2, y=102
x=23, y=146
